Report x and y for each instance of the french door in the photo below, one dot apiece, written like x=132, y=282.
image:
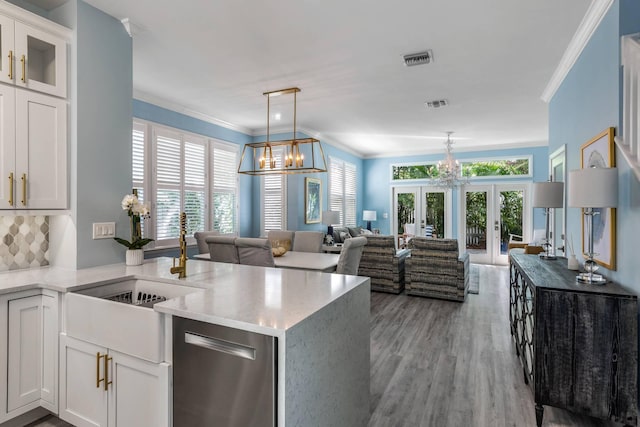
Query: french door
x=422, y=206
x=490, y=215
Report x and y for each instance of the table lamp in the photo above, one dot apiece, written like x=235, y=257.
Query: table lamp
x=590, y=189
x=548, y=195
x=369, y=216
x=329, y=218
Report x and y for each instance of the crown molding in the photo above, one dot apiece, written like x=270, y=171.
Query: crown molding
x=169, y=105
x=593, y=17
x=462, y=149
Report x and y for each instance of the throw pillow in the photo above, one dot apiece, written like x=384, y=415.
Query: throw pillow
x=355, y=231
x=344, y=236
x=365, y=232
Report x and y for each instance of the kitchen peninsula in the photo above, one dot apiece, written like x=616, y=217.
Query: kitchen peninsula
x=320, y=322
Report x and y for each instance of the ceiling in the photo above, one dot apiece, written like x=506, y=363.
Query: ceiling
x=492, y=61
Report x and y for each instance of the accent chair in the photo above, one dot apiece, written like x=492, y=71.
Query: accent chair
x=436, y=269
x=383, y=264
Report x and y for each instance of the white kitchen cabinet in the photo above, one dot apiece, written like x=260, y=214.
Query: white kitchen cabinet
x=29, y=352
x=102, y=387
x=33, y=150
x=33, y=57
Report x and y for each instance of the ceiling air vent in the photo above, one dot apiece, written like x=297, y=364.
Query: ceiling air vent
x=418, y=58
x=437, y=103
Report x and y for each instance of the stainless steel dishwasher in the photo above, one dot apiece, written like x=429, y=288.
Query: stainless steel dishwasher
x=222, y=376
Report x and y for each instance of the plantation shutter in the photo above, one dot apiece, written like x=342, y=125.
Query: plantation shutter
x=168, y=156
x=342, y=190
x=350, y=194
x=274, y=199
x=224, y=187
x=138, y=170
x=194, y=184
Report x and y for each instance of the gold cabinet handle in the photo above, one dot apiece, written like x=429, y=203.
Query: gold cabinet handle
x=98, y=379
x=10, y=65
x=24, y=189
x=24, y=68
x=11, y=189
x=106, y=372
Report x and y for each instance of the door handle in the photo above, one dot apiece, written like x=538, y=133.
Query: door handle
x=11, y=189
x=24, y=189
x=220, y=345
x=561, y=248
x=10, y=65
x=98, y=379
x=106, y=372
x=24, y=68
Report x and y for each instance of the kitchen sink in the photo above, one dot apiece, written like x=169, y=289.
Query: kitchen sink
x=98, y=315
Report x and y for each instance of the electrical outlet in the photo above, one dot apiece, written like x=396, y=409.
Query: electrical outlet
x=104, y=230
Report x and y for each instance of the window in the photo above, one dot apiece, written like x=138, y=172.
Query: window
x=342, y=190
x=519, y=166
x=172, y=173
x=274, y=197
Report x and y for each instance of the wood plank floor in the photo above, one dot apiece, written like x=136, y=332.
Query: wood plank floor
x=438, y=363
x=441, y=363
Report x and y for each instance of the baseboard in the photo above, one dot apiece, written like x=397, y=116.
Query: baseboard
x=26, y=418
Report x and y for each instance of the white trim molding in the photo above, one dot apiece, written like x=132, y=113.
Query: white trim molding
x=169, y=105
x=590, y=22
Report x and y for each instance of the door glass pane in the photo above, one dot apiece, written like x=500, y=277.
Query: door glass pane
x=511, y=203
x=405, y=211
x=476, y=222
x=558, y=213
x=435, y=213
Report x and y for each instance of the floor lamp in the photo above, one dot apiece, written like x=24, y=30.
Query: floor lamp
x=590, y=189
x=548, y=195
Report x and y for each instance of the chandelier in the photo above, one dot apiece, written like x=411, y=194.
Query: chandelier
x=297, y=155
x=449, y=169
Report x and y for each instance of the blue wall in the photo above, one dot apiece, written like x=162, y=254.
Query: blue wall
x=588, y=101
x=377, y=175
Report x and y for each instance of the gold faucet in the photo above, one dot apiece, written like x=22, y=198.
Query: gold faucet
x=181, y=269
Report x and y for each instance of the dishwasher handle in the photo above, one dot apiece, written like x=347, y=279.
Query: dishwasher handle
x=220, y=345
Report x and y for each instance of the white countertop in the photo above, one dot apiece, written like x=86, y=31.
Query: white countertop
x=263, y=300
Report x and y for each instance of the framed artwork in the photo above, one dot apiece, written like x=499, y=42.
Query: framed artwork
x=599, y=152
x=312, y=200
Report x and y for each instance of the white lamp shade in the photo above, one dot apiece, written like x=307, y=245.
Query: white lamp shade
x=368, y=215
x=330, y=217
x=548, y=194
x=593, y=188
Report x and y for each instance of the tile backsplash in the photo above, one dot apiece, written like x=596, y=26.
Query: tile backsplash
x=24, y=242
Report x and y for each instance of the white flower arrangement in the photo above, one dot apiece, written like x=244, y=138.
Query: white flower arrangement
x=135, y=210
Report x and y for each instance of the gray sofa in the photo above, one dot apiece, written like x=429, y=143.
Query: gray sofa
x=383, y=264
x=436, y=269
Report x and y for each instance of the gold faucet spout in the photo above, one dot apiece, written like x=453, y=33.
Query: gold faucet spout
x=181, y=269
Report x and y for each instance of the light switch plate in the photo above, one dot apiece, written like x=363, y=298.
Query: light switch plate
x=104, y=230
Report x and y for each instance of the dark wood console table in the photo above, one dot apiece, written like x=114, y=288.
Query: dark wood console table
x=578, y=343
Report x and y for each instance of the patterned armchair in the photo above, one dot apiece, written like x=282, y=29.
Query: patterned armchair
x=435, y=269
x=383, y=265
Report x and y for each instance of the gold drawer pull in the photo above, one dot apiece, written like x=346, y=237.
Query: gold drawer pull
x=11, y=189
x=106, y=372
x=24, y=189
x=24, y=68
x=98, y=379
x=10, y=65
